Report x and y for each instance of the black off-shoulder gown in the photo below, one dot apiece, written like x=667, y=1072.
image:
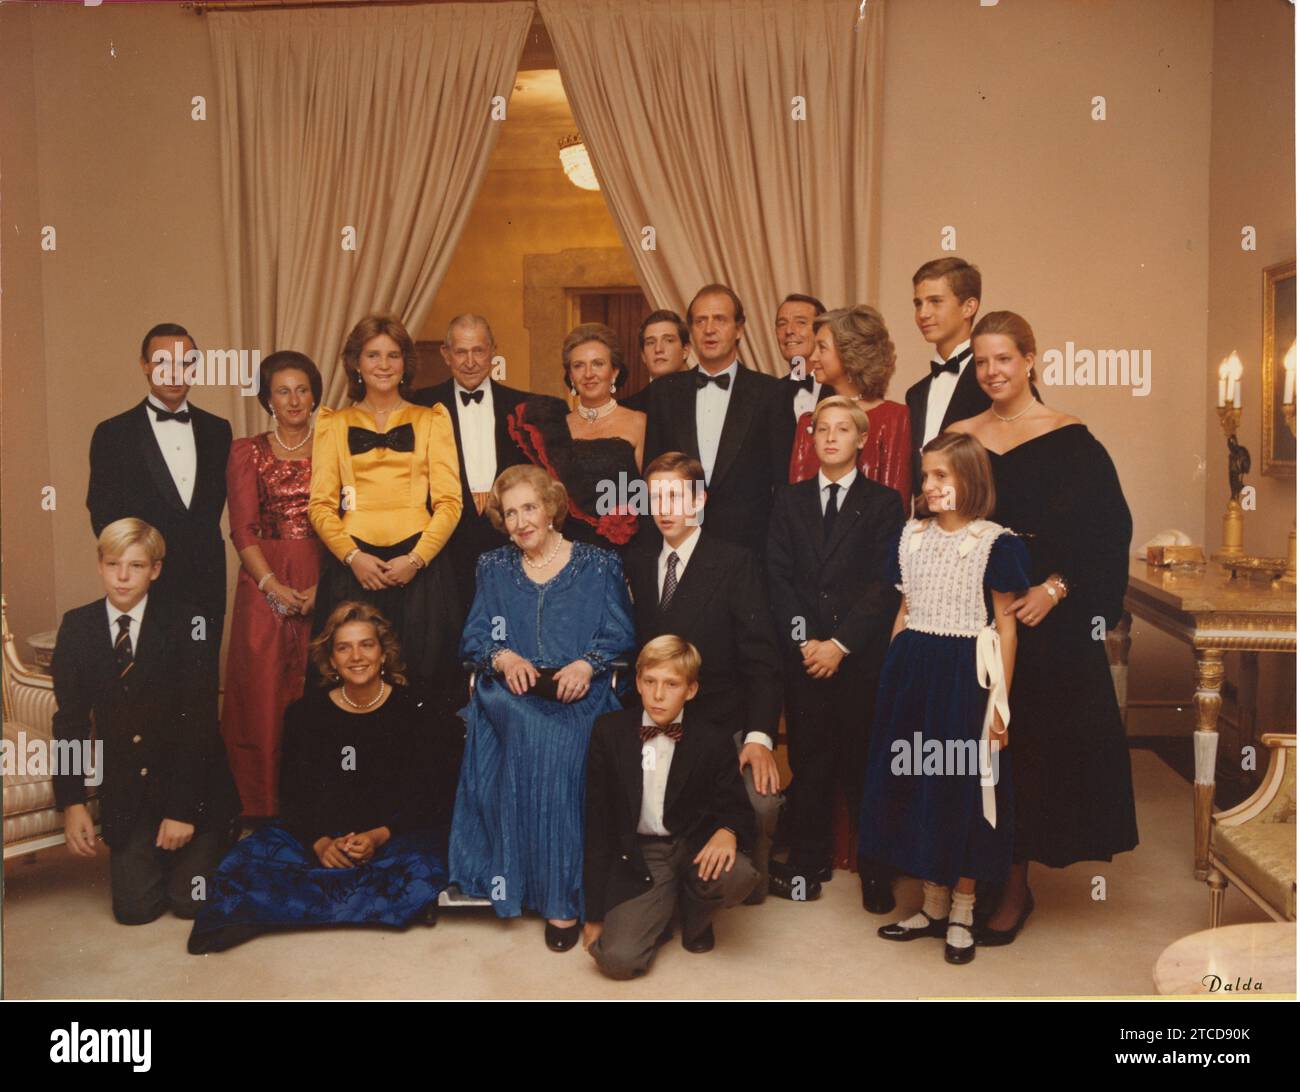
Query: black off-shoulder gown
x=1073, y=784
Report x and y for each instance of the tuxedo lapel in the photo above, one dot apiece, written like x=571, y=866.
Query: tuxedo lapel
x=206, y=458
x=628, y=759
x=809, y=503
x=968, y=398
x=446, y=395
x=685, y=754
x=152, y=645
x=735, y=426
x=684, y=413
x=917, y=396
x=152, y=456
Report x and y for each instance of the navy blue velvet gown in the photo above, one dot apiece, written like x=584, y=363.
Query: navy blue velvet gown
x=517, y=828
x=341, y=773
x=921, y=815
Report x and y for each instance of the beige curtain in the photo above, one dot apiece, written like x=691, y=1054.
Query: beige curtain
x=688, y=109
x=379, y=121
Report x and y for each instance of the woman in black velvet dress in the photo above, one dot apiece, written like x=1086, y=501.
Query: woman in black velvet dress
x=595, y=451
x=1056, y=486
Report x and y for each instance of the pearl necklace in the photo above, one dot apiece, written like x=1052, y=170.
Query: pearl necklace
x=592, y=415
x=559, y=540
x=296, y=446
x=368, y=705
x=1014, y=416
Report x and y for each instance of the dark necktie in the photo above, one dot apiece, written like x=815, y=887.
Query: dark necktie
x=670, y=580
x=401, y=438
x=466, y=397
x=703, y=379
x=123, y=653
x=832, y=510
x=672, y=731
x=166, y=415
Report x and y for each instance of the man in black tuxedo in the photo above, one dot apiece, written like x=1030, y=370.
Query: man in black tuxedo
x=664, y=338
x=164, y=461
x=711, y=593
x=667, y=821
x=125, y=675
x=795, y=337
x=945, y=299
x=479, y=407
x=833, y=606
x=734, y=420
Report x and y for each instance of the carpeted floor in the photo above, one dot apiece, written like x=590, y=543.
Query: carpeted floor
x=60, y=940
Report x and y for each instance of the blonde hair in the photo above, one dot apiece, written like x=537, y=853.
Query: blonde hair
x=969, y=463
x=838, y=401
x=555, y=498
x=866, y=351
x=120, y=535
x=353, y=610
x=672, y=651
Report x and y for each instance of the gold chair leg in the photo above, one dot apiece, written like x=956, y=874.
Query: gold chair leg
x=1217, y=884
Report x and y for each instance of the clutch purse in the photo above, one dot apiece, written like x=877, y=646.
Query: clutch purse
x=545, y=686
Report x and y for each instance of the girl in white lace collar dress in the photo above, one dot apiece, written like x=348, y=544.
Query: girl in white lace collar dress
x=937, y=799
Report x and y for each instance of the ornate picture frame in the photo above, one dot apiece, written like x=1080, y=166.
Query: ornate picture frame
x=1278, y=444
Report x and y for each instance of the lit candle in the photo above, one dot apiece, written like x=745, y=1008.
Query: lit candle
x=1234, y=370
x=1223, y=374
x=1288, y=390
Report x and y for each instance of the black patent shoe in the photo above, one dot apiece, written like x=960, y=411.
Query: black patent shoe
x=789, y=883
x=877, y=896
x=702, y=943
x=959, y=955
x=938, y=927
x=561, y=939
x=998, y=938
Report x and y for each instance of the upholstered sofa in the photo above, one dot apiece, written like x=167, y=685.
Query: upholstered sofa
x=31, y=821
x=1252, y=846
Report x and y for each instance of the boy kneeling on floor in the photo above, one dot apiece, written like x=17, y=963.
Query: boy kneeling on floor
x=668, y=820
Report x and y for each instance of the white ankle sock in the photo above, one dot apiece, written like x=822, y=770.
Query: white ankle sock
x=935, y=904
x=963, y=913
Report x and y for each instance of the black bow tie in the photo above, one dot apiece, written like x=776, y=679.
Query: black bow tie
x=466, y=397
x=703, y=379
x=182, y=416
x=401, y=438
x=952, y=364
x=806, y=384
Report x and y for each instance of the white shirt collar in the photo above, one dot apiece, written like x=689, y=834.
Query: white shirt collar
x=185, y=405
x=845, y=482
x=683, y=551
x=956, y=352
x=136, y=613
x=647, y=721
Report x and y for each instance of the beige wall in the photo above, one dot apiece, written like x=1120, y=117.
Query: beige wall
x=1252, y=181
x=130, y=183
x=1114, y=234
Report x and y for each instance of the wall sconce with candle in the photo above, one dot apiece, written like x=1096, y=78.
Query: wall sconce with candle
x=1229, y=409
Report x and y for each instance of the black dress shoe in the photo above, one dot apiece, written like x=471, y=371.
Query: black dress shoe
x=702, y=943
x=788, y=883
x=997, y=938
x=898, y=931
x=561, y=939
x=959, y=955
x=877, y=896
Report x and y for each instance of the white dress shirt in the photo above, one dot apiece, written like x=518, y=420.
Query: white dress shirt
x=478, y=436
x=941, y=388
x=824, y=493
x=806, y=401
x=176, y=442
x=656, y=758
x=684, y=552
x=136, y=614
x=711, y=403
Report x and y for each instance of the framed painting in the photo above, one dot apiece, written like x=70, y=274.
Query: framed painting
x=1279, y=339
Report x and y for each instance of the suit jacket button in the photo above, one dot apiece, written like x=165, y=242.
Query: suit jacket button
x=624, y=856
x=144, y=771
x=136, y=739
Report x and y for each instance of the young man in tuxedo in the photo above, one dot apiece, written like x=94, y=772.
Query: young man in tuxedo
x=125, y=674
x=827, y=561
x=734, y=420
x=711, y=593
x=479, y=408
x=794, y=335
x=664, y=339
x=945, y=299
x=667, y=819
x=164, y=461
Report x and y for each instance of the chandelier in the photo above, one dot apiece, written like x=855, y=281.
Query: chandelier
x=577, y=163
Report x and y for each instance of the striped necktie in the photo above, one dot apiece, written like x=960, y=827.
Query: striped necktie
x=670, y=581
x=123, y=653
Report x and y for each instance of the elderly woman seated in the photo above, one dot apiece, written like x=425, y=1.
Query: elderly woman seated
x=549, y=618
x=356, y=841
